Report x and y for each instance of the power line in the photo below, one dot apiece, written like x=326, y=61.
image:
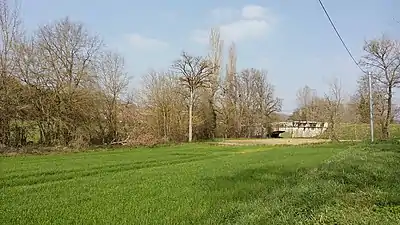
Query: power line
x=354, y=60
x=340, y=37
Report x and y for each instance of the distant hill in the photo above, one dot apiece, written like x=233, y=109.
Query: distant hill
x=281, y=116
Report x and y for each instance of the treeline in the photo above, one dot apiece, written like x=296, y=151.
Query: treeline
x=61, y=86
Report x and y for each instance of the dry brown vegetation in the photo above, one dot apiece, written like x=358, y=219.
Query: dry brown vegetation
x=62, y=86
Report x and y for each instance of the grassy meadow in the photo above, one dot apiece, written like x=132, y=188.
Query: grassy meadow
x=350, y=131
x=205, y=184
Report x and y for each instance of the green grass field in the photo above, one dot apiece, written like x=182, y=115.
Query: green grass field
x=205, y=184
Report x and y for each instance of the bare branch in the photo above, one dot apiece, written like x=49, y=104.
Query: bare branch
x=194, y=70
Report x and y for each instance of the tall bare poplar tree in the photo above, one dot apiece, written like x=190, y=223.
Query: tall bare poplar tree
x=207, y=108
x=230, y=97
x=215, y=56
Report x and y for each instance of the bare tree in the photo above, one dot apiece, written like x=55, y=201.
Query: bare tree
x=314, y=110
x=382, y=59
x=113, y=81
x=10, y=33
x=59, y=63
x=361, y=99
x=163, y=103
x=195, y=73
x=305, y=100
x=334, y=107
x=257, y=102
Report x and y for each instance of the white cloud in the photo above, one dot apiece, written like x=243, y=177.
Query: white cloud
x=248, y=23
x=254, y=12
x=244, y=29
x=140, y=42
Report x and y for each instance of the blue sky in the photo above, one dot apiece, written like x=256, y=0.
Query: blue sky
x=291, y=39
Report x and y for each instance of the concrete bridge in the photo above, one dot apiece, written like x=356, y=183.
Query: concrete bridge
x=296, y=129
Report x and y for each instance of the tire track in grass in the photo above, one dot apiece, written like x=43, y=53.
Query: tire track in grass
x=64, y=176
x=67, y=173
x=56, y=169
x=62, y=171
x=29, y=163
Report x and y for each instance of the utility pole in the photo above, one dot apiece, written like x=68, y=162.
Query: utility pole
x=371, y=107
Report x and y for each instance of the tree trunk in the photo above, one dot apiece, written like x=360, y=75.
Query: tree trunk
x=165, y=123
x=213, y=118
x=388, y=114
x=190, y=115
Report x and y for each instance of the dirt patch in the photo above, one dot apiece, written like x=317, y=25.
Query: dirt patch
x=274, y=141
